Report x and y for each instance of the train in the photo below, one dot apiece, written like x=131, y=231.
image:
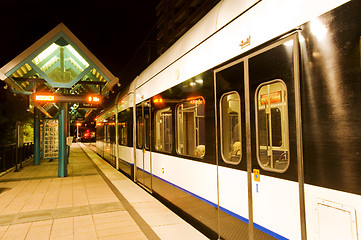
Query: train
x=247, y=126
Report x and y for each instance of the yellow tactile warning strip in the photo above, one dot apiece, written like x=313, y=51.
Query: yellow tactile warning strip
x=147, y=230
x=165, y=223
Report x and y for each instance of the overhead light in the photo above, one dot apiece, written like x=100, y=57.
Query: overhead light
x=199, y=81
x=318, y=29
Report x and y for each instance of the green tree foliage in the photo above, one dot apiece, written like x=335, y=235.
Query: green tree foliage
x=13, y=108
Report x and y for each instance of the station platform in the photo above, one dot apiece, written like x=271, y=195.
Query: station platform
x=95, y=201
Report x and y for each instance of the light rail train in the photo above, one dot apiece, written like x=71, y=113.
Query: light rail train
x=249, y=125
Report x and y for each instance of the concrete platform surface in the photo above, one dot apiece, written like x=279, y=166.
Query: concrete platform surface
x=95, y=201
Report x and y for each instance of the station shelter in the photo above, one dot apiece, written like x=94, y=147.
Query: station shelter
x=63, y=81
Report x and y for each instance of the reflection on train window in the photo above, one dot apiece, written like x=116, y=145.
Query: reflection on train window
x=231, y=128
x=123, y=133
x=147, y=124
x=190, y=128
x=163, y=130
x=143, y=125
x=124, y=130
x=272, y=126
x=140, y=131
x=110, y=130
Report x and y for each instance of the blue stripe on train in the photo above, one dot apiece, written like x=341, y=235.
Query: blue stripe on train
x=255, y=225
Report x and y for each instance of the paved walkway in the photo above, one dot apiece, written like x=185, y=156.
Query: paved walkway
x=94, y=202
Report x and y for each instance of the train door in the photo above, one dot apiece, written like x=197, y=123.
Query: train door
x=275, y=133
x=232, y=160
x=144, y=159
x=259, y=160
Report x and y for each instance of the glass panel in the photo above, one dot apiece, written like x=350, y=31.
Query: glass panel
x=125, y=121
x=123, y=133
x=140, y=128
x=163, y=130
x=23, y=71
x=147, y=124
x=231, y=128
x=61, y=62
x=140, y=132
x=272, y=126
x=191, y=128
x=111, y=124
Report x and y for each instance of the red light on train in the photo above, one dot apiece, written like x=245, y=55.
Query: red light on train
x=158, y=100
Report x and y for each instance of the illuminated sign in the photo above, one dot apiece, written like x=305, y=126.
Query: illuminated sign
x=196, y=101
x=45, y=98
x=67, y=98
x=93, y=99
x=275, y=97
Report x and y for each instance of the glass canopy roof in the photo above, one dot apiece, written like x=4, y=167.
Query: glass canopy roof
x=61, y=62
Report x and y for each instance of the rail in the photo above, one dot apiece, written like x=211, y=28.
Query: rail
x=8, y=155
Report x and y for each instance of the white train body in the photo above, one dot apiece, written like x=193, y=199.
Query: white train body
x=276, y=63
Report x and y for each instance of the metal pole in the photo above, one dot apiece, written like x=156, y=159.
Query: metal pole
x=62, y=163
x=17, y=146
x=36, y=160
x=21, y=144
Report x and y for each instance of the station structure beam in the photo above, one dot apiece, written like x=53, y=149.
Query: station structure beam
x=63, y=149
x=60, y=65
x=36, y=160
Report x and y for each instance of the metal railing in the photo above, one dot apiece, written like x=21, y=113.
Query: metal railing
x=8, y=155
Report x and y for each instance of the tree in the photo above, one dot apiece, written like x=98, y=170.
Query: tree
x=13, y=108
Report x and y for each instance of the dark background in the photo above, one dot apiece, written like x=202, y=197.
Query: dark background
x=121, y=34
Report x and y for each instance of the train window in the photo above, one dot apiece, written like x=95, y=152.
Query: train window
x=191, y=128
x=111, y=130
x=123, y=133
x=143, y=125
x=231, y=128
x=147, y=124
x=163, y=130
x=125, y=119
x=140, y=131
x=272, y=126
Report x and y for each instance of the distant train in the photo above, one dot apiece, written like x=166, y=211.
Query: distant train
x=249, y=126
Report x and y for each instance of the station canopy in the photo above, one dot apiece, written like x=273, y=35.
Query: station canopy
x=58, y=63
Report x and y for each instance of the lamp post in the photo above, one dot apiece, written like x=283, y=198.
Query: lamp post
x=77, y=130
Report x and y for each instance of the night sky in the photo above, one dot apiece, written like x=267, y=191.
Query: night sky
x=112, y=30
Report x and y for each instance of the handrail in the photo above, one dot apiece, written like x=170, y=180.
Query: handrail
x=8, y=155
